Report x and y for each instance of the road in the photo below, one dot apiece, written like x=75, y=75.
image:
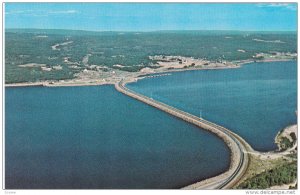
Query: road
x=239, y=148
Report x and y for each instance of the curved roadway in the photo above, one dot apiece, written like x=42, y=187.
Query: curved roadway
x=239, y=148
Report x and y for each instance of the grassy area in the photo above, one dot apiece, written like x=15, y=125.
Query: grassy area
x=283, y=174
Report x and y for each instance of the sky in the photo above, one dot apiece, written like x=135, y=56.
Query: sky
x=151, y=17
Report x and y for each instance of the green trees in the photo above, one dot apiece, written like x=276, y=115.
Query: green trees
x=284, y=174
x=293, y=136
x=285, y=143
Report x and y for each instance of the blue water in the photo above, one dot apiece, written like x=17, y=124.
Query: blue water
x=255, y=101
x=95, y=137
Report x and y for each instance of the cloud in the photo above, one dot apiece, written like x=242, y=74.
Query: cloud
x=290, y=6
x=18, y=12
x=41, y=12
x=63, y=12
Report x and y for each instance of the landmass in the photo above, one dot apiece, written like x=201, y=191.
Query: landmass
x=40, y=55
x=100, y=75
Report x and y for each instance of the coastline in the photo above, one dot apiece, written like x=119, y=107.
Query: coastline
x=243, y=62
x=135, y=75
x=66, y=84
x=286, y=133
x=261, y=162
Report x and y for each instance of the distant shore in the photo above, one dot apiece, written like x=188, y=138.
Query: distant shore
x=135, y=76
x=71, y=82
x=242, y=62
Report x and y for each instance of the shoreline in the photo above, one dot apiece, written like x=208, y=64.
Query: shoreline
x=138, y=76
x=243, y=62
x=285, y=133
x=266, y=161
x=135, y=75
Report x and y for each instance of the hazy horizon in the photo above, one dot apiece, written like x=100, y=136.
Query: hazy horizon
x=146, y=31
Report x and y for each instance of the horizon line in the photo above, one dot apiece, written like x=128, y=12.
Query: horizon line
x=158, y=30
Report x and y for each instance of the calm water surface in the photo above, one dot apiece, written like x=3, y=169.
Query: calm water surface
x=95, y=137
x=255, y=101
